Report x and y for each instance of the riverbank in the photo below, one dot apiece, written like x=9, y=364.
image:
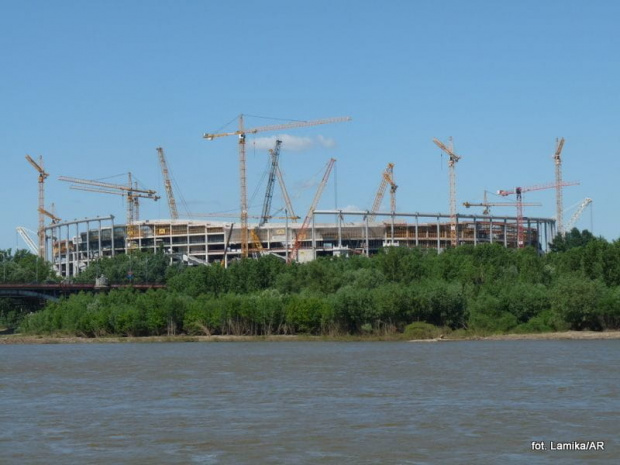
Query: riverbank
x=566, y=335
x=581, y=335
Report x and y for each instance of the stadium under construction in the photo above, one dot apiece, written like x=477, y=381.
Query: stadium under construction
x=72, y=245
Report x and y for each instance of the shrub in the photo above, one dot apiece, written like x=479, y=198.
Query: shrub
x=421, y=330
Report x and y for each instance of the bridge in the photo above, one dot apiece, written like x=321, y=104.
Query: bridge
x=54, y=291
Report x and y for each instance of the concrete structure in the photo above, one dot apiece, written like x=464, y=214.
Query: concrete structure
x=72, y=245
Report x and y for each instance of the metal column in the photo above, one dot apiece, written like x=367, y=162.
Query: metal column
x=113, y=246
x=367, y=238
x=313, y=238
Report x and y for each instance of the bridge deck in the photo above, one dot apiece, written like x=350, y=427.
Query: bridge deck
x=52, y=291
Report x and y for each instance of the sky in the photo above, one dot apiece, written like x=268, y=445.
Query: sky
x=94, y=87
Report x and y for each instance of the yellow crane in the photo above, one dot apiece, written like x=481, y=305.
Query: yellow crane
x=130, y=191
x=241, y=133
x=386, y=178
x=301, y=232
x=42, y=176
x=172, y=204
x=557, y=157
x=453, y=158
x=258, y=245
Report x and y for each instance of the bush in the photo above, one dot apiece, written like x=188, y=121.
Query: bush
x=421, y=330
x=486, y=315
x=305, y=313
x=545, y=322
x=578, y=302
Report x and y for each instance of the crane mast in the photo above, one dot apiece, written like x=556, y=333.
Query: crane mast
x=393, y=188
x=172, y=204
x=301, y=232
x=132, y=202
x=559, y=144
x=452, y=160
x=241, y=133
x=275, y=155
x=42, y=176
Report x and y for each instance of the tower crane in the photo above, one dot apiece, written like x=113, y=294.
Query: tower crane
x=301, y=232
x=559, y=144
x=584, y=204
x=452, y=160
x=521, y=190
x=42, y=176
x=130, y=191
x=241, y=133
x=393, y=188
x=487, y=205
x=386, y=178
x=172, y=204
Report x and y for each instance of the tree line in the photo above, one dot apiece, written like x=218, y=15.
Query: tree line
x=480, y=290
x=21, y=266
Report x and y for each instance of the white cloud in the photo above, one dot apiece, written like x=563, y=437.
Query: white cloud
x=326, y=142
x=293, y=143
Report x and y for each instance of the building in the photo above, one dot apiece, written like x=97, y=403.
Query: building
x=72, y=245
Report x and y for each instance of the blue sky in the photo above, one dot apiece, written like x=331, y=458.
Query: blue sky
x=95, y=87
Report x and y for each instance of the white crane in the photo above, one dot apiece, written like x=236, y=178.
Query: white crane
x=571, y=223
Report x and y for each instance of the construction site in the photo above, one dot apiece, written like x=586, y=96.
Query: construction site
x=72, y=245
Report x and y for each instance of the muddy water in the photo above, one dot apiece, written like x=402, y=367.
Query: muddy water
x=473, y=402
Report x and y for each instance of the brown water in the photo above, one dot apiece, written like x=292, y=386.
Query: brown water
x=476, y=402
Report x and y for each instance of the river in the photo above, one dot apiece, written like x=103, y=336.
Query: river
x=462, y=402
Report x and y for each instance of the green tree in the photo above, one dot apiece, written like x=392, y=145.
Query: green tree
x=401, y=264
x=571, y=239
x=134, y=268
x=24, y=267
x=577, y=301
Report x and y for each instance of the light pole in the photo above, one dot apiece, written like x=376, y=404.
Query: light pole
x=286, y=235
